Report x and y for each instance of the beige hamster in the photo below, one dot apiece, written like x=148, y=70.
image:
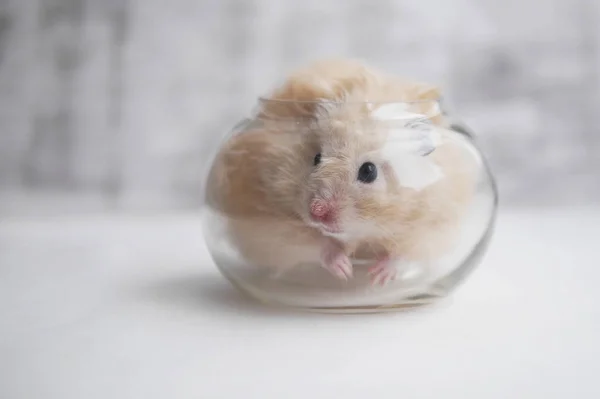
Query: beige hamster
x=327, y=194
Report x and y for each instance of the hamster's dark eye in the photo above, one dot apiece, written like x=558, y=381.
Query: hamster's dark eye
x=317, y=159
x=367, y=172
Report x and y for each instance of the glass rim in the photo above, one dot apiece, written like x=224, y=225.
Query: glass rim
x=266, y=100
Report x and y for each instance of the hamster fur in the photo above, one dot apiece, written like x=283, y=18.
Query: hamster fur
x=264, y=180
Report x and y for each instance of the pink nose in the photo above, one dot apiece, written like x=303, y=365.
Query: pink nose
x=321, y=210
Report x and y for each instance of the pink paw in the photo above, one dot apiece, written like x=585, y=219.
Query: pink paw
x=336, y=262
x=382, y=272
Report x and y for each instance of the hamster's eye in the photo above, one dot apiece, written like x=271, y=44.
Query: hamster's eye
x=317, y=159
x=367, y=172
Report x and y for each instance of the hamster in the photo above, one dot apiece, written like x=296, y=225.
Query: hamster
x=323, y=191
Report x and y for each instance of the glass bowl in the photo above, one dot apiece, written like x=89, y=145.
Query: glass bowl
x=348, y=207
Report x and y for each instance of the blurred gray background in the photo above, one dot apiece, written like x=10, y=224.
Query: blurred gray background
x=114, y=103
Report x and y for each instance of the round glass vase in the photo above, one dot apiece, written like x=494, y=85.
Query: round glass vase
x=339, y=207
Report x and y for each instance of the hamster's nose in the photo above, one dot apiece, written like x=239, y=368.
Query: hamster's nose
x=321, y=211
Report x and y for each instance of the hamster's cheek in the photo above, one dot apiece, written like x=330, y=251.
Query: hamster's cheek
x=378, y=186
x=362, y=227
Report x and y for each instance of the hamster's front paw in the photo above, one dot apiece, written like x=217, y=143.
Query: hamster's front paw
x=382, y=272
x=335, y=260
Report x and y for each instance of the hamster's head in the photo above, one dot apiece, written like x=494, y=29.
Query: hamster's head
x=351, y=190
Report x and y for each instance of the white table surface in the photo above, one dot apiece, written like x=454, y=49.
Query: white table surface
x=131, y=307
